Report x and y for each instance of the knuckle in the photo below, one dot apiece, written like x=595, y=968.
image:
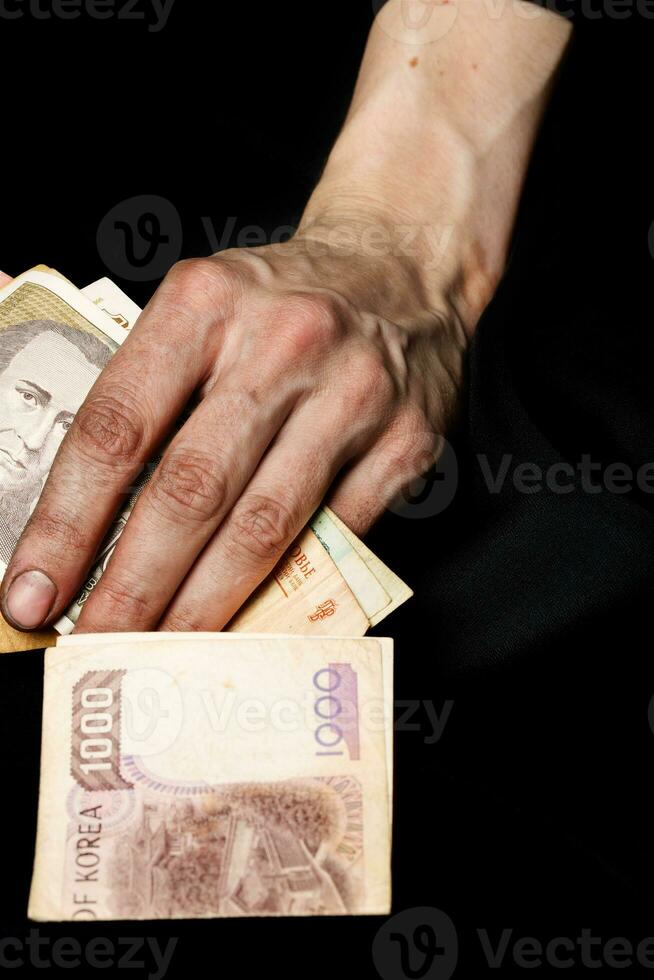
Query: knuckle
x=311, y=320
x=188, y=486
x=181, y=622
x=206, y=280
x=262, y=528
x=108, y=426
x=369, y=381
x=119, y=602
x=414, y=446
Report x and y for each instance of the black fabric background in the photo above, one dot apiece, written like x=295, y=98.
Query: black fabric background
x=532, y=612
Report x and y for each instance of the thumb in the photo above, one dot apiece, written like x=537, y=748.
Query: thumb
x=4, y=279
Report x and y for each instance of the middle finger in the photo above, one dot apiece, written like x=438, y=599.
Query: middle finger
x=195, y=485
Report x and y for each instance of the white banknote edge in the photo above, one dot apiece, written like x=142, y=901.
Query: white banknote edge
x=70, y=295
x=369, y=592
x=111, y=299
x=398, y=590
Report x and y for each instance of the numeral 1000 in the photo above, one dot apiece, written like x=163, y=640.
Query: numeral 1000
x=96, y=721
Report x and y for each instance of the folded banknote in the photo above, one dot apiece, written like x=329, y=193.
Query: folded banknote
x=214, y=776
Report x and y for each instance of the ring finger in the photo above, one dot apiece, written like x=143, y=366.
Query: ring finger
x=285, y=492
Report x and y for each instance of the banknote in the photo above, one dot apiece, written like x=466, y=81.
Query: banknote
x=114, y=302
x=104, y=294
x=398, y=590
x=53, y=345
x=371, y=595
x=306, y=594
x=222, y=776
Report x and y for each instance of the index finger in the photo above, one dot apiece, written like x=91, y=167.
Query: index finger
x=127, y=414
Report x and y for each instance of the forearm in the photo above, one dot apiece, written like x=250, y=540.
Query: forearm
x=431, y=161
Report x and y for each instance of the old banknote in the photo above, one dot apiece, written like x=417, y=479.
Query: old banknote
x=214, y=777
x=398, y=591
x=114, y=302
x=53, y=345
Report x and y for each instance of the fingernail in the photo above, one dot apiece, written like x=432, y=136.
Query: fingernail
x=29, y=599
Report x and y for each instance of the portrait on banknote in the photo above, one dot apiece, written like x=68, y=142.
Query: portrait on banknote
x=48, y=364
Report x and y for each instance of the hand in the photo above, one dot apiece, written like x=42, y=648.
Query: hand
x=300, y=373
x=326, y=366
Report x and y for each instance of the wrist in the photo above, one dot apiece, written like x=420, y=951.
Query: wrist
x=415, y=235
x=429, y=166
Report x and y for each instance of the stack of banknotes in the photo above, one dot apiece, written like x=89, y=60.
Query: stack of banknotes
x=207, y=775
